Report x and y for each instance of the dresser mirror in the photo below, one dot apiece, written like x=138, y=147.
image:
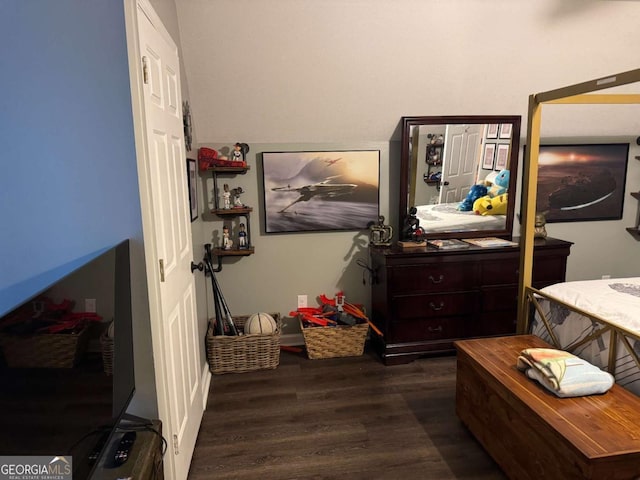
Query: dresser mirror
x=443, y=157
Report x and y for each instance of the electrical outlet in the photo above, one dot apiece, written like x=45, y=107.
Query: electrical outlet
x=606, y=277
x=302, y=301
x=90, y=305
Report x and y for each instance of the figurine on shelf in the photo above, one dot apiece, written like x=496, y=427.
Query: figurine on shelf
x=237, y=203
x=243, y=242
x=237, y=153
x=539, y=230
x=380, y=234
x=240, y=151
x=226, y=240
x=226, y=196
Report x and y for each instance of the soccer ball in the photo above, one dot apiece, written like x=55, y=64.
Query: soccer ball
x=261, y=324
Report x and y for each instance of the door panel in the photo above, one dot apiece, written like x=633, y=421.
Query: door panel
x=462, y=147
x=176, y=346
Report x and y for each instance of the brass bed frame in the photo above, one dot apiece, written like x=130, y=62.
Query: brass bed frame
x=578, y=94
x=617, y=332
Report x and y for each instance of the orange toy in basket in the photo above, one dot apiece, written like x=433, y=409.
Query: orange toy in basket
x=315, y=315
x=325, y=337
x=349, y=308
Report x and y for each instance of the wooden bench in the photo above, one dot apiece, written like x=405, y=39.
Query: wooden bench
x=531, y=433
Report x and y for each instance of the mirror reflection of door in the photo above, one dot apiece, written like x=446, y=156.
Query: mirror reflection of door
x=460, y=166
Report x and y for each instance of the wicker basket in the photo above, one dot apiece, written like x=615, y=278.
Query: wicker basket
x=339, y=341
x=243, y=353
x=47, y=350
x=106, y=344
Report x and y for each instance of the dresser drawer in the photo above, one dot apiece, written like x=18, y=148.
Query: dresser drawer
x=494, y=324
x=503, y=272
x=548, y=270
x=428, y=329
x=499, y=299
x=436, y=277
x=433, y=305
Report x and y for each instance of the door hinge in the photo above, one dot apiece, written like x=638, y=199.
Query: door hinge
x=145, y=71
x=161, y=270
x=176, y=450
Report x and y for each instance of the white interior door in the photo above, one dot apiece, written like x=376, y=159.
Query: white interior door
x=460, y=162
x=167, y=234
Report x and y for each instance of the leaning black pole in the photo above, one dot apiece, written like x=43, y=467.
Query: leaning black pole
x=225, y=308
x=224, y=321
x=218, y=326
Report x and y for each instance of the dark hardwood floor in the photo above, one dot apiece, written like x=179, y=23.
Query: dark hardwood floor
x=344, y=419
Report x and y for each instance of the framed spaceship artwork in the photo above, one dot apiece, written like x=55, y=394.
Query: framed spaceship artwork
x=320, y=190
x=578, y=183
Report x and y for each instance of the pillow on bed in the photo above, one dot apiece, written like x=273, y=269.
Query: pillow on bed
x=490, y=179
x=498, y=183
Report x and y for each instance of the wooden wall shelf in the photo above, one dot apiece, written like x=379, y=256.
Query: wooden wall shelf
x=231, y=212
x=234, y=252
x=235, y=170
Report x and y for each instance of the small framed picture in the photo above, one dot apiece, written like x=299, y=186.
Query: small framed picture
x=193, y=188
x=492, y=130
x=502, y=156
x=489, y=154
x=505, y=130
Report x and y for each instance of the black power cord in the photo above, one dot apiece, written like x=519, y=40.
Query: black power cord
x=373, y=274
x=149, y=428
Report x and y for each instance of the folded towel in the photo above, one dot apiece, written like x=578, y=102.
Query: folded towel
x=562, y=373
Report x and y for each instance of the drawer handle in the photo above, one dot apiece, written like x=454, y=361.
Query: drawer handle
x=437, y=329
x=436, y=307
x=439, y=280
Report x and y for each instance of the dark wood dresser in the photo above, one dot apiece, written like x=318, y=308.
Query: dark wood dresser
x=424, y=299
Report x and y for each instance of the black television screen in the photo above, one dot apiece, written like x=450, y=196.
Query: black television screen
x=56, y=403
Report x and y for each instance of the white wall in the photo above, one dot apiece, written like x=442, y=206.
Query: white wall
x=319, y=74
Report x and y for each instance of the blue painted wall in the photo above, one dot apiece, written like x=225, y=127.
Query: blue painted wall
x=68, y=184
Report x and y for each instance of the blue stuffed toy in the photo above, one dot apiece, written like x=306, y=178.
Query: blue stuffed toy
x=475, y=192
x=500, y=184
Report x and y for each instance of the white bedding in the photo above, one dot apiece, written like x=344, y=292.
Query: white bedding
x=446, y=217
x=615, y=300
